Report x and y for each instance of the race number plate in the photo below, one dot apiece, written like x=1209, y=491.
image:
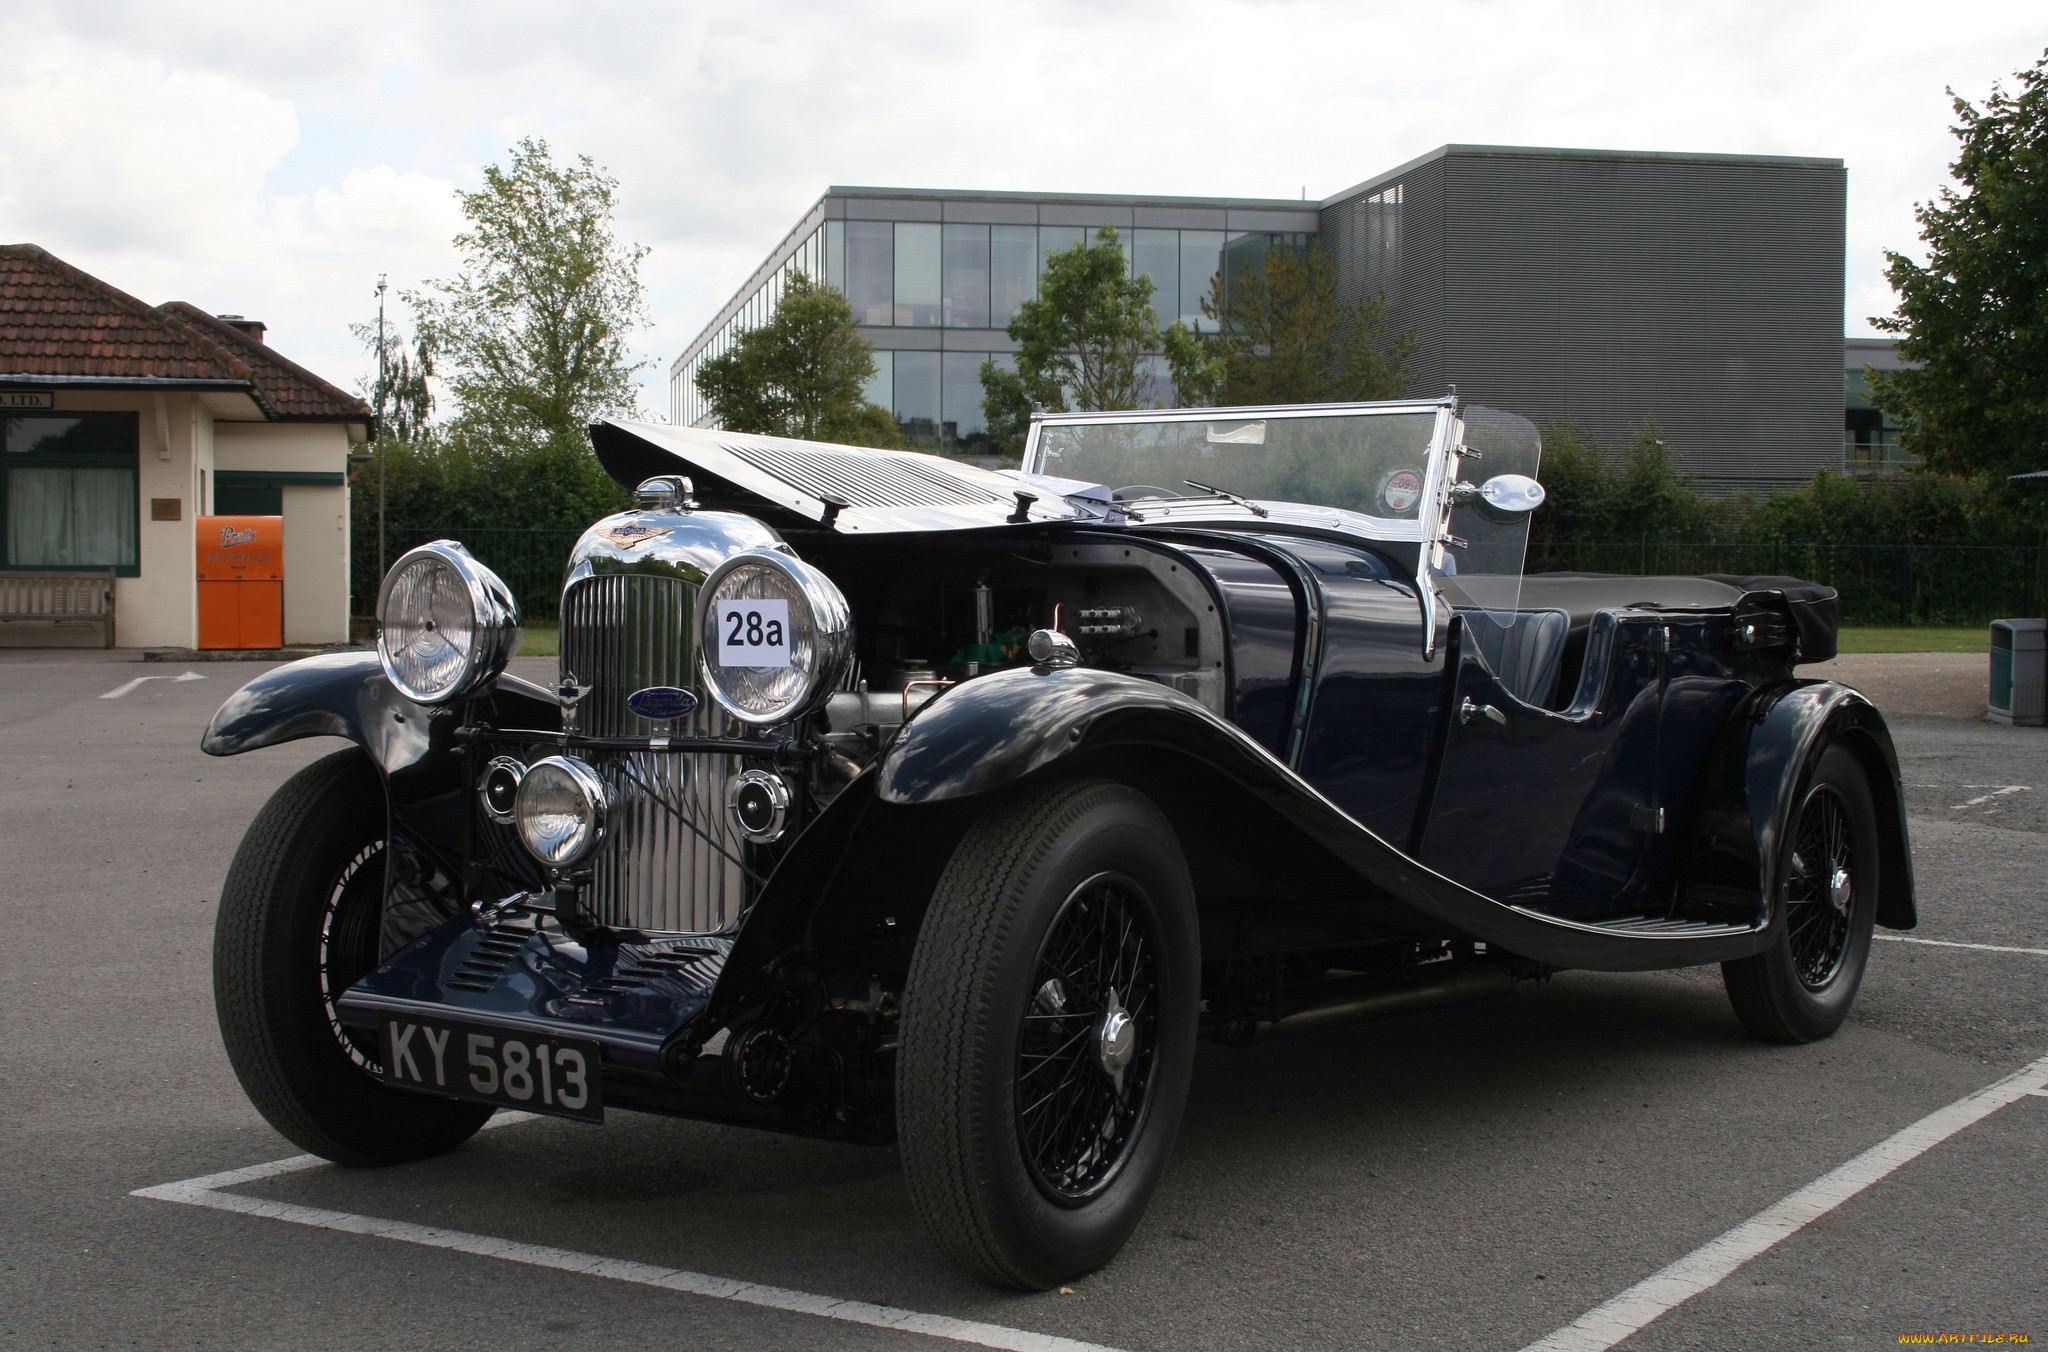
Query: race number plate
x=558, y=1075
x=752, y=633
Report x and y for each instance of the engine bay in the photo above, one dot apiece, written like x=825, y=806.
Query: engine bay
x=927, y=620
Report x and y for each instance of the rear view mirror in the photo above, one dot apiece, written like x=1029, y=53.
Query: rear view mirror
x=1511, y=493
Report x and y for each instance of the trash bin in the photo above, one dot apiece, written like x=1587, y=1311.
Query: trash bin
x=241, y=581
x=2019, y=672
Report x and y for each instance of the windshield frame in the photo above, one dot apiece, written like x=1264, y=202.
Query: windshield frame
x=1425, y=528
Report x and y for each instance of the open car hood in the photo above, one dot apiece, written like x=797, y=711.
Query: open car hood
x=852, y=489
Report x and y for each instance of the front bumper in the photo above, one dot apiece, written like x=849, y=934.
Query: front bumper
x=530, y=977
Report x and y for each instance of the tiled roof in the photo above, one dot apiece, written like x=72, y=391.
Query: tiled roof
x=58, y=321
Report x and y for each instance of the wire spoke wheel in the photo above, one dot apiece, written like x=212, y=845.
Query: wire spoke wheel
x=1820, y=889
x=1085, y=1050
x=1801, y=986
x=349, y=934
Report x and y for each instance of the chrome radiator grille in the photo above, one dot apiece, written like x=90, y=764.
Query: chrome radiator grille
x=672, y=861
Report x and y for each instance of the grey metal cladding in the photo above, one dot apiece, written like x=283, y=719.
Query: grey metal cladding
x=1609, y=289
x=1707, y=295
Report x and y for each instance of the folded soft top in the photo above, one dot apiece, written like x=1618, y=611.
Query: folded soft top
x=1813, y=606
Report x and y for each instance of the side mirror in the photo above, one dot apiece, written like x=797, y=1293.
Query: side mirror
x=1514, y=493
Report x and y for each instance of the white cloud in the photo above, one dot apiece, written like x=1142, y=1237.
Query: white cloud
x=275, y=160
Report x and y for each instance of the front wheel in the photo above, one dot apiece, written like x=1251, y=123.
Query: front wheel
x=1800, y=988
x=299, y=924
x=1048, y=1033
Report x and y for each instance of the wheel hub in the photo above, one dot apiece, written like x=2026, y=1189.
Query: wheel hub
x=1116, y=1041
x=1838, y=890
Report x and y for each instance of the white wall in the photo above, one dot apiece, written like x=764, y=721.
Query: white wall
x=315, y=564
x=315, y=517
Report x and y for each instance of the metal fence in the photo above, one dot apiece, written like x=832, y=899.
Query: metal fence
x=1879, y=584
x=530, y=561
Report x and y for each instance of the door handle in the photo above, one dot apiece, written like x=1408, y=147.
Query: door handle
x=1470, y=710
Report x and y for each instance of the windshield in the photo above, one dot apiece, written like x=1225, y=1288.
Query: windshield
x=1373, y=463
x=1484, y=546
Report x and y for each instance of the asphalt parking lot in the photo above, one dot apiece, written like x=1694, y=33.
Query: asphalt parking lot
x=1480, y=1177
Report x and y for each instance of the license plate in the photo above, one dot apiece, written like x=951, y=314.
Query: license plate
x=558, y=1075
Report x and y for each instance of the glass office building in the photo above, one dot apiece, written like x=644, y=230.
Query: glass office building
x=934, y=279
x=1600, y=286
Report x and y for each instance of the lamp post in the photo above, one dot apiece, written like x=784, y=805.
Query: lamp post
x=383, y=391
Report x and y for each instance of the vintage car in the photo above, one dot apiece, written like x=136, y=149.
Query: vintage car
x=883, y=797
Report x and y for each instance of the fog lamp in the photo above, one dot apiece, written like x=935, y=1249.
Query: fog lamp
x=560, y=809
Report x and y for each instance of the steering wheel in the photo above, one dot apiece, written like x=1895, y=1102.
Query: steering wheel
x=1130, y=491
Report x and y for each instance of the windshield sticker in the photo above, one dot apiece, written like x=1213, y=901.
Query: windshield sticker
x=1243, y=434
x=1401, y=490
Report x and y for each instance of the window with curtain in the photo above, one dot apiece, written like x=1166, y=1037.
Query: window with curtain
x=69, y=484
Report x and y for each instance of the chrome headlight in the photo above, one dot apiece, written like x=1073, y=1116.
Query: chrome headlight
x=775, y=633
x=447, y=624
x=560, y=809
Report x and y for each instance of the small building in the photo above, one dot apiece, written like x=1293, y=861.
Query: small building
x=125, y=421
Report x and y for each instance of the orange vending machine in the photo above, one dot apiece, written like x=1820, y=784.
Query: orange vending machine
x=241, y=581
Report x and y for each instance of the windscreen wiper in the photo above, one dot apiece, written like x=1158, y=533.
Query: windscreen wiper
x=1228, y=496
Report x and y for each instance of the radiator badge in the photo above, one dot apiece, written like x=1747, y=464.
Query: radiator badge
x=662, y=703
x=570, y=691
x=632, y=533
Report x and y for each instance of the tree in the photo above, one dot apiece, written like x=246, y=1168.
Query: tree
x=532, y=330
x=400, y=395
x=1285, y=337
x=1976, y=317
x=801, y=374
x=1082, y=343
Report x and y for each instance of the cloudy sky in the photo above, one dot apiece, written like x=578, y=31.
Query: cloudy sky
x=271, y=160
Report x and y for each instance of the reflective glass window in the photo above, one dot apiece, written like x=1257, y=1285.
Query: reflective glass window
x=1156, y=254
x=917, y=396
x=966, y=276
x=834, y=264
x=879, y=388
x=1054, y=239
x=917, y=275
x=1243, y=253
x=870, y=270
x=1013, y=270
x=960, y=395
x=1201, y=254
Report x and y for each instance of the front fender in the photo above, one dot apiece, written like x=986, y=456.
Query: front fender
x=1759, y=773
x=413, y=746
x=347, y=695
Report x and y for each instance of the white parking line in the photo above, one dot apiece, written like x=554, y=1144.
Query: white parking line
x=1950, y=943
x=1998, y=791
x=207, y=1192
x=121, y=690
x=1707, y=1266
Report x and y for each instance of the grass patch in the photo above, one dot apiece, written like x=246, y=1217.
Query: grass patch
x=544, y=640
x=1918, y=639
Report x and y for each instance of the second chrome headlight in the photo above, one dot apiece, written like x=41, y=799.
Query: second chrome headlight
x=775, y=634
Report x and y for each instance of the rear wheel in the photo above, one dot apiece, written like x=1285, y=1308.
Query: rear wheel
x=299, y=924
x=1800, y=989
x=1048, y=1033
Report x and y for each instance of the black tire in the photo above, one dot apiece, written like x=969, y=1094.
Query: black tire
x=1087, y=881
x=1800, y=988
x=299, y=921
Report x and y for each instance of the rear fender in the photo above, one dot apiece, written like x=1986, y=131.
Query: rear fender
x=1758, y=773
